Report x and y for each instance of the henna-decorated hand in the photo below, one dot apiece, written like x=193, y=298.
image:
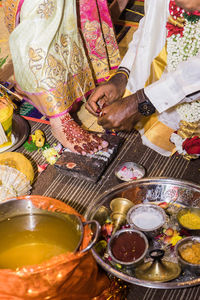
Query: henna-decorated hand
x=120, y=115
x=107, y=93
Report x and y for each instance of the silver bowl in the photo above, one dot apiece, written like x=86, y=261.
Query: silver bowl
x=183, y=244
x=182, y=212
x=131, y=263
x=129, y=171
x=140, y=216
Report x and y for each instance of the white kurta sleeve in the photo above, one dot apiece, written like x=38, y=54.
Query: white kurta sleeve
x=130, y=55
x=173, y=87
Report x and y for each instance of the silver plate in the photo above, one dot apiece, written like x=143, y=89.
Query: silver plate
x=20, y=130
x=150, y=190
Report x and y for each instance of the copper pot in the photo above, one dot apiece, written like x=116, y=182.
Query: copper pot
x=31, y=235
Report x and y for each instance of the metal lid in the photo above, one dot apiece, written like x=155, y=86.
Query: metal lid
x=158, y=270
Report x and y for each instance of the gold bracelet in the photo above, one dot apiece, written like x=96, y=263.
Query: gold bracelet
x=123, y=72
x=119, y=72
x=110, y=77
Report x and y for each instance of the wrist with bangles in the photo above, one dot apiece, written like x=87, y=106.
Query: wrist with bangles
x=121, y=70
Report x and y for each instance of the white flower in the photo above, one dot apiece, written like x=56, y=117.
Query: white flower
x=51, y=155
x=178, y=141
x=181, y=48
x=189, y=112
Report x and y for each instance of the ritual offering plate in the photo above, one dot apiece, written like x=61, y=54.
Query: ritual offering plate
x=20, y=132
x=31, y=236
x=158, y=202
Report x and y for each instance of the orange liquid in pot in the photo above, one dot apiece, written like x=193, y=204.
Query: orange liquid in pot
x=28, y=240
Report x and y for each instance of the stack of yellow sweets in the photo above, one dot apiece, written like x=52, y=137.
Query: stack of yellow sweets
x=16, y=175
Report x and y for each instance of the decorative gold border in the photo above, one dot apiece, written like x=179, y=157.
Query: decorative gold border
x=10, y=9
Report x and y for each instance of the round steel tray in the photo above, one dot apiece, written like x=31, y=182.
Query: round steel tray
x=150, y=190
x=20, y=130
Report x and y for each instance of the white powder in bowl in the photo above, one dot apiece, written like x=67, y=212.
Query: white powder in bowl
x=147, y=220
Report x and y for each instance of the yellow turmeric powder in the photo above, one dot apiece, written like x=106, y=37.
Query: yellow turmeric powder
x=190, y=220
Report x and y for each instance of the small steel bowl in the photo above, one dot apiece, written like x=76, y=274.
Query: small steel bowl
x=182, y=212
x=132, y=263
x=143, y=209
x=182, y=244
x=129, y=171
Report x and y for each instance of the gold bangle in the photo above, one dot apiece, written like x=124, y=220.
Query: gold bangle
x=123, y=72
x=111, y=76
x=119, y=72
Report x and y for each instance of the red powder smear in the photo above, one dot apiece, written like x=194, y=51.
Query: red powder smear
x=42, y=168
x=128, y=246
x=70, y=165
x=124, y=168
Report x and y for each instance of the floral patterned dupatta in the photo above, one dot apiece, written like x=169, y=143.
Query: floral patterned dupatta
x=55, y=63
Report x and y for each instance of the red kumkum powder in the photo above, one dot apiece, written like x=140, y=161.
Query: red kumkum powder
x=128, y=246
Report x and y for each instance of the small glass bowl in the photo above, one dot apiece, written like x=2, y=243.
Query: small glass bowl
x=141, y=245
x=129, y=171
x=184, y=244
x=148, y=218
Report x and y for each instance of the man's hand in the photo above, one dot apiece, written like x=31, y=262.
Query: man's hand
x=107, y=93
x=189, y=5
x=120, y=115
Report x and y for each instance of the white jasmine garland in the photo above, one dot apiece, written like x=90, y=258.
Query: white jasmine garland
x=180, y=48
x=189, y=112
